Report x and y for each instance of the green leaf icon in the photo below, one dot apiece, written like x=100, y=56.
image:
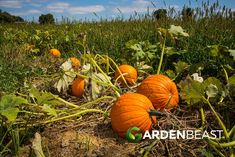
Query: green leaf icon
x=131, y=137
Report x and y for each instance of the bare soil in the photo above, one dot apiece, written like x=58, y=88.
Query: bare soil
x=93, y=136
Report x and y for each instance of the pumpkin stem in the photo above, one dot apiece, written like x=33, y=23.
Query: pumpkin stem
x=155, y=113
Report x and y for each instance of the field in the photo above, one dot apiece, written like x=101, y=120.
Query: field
x=40, y=116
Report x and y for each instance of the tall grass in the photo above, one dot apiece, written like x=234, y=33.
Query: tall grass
x=211, y=24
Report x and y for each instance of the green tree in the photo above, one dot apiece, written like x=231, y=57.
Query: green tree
x=46, y=19
x=5, y=17
x=160, y=14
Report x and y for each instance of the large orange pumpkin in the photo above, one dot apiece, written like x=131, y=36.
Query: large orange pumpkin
x=55, y=52
x=129, y=74
x=160, y=90
x=75, y=62
x=78, y=86
x=131, y=110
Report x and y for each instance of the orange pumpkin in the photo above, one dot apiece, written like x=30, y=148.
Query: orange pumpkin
x=131, y=110
x=75, y=62
x=160, y=90
x=55, y=52
x=78, y=86
x=129, y=73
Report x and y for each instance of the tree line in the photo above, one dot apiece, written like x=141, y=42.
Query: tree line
x=5, y=17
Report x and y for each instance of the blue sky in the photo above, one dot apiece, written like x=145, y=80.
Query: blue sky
x=84, y=9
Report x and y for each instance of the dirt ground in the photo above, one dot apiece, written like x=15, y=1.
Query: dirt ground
x=93, y=136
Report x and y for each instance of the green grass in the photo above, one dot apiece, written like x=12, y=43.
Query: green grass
x=106, y=37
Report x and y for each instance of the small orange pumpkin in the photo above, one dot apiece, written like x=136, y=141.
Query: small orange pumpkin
x=78, y=86
x=160, y=90
x=129, y=74
x=55, y=52
x=75, y=62
x=131, y=110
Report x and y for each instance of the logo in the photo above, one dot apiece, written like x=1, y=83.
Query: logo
x=135, y=138
x=134, y=135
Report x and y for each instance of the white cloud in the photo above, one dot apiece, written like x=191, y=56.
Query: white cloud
x=58, y=7
x=29, y=12
x=66, y=7
x=176, y=7
x=139, y=6
x=10, y=3
x=34, y=11
x=86, y=9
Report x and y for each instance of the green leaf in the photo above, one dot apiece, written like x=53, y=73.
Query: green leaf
x=213, y=81
x=46, y=108
x=191, y=91
x=177, y=31
x=232, y=53
x=44, y=97
x=172, y=51
x=150, y=55
x=170, y=73
x=212, y=91
x=231, y=80
x=67, y=38
x=214, y=50
x=139, y=53
x=35, y=50
x=221, y=51
x=180, y=66
x=9, y=104
x=206, y=153
x=213, y=87
x=130, y=43
x=34, y=92
x=47, y=98
x=10, y=113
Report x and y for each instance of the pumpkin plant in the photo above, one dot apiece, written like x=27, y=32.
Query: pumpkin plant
x=160, y=90
x=174, y=32
x=132, y=110
x=206, y=93
x=126, y=73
